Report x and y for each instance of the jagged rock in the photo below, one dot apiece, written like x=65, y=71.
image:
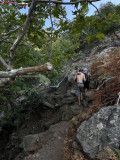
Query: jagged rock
x=101, y=130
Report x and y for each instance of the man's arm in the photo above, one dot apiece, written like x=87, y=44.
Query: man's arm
x=84, y=79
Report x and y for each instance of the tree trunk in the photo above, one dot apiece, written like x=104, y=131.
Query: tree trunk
x=7, y=77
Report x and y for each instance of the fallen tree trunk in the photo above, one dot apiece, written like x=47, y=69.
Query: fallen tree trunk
x=20, y=71
x=7, y=77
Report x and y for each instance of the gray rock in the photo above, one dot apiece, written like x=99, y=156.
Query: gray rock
x=71, y=77
x=48, y=105
x=89, y=96
x=101, y=130
x=74, y=145
x=92, y=84
x=69, y=100
x=68, y=112
x=34, y=142
x=85, y=103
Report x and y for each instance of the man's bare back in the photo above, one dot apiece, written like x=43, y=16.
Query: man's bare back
x=80, y=77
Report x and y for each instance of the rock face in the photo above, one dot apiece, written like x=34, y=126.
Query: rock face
x=101, y=130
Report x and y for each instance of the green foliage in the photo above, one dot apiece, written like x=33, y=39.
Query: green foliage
x=10, y=108
x=44, y=79
x=98, y=25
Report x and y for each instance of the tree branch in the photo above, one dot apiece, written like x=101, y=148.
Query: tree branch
x=23, y=32
x=66, y=3
x=3, y=62
x=21, y=44
x=7, y=34
x=95, y=8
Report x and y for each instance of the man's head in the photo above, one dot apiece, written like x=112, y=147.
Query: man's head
x=80, y=70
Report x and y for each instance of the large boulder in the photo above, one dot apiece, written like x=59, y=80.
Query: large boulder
x=34, y=142
x=71, y=77
x=100, y=131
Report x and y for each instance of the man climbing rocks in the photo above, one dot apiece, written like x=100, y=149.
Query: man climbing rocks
x=87, y=77
x=80, y=79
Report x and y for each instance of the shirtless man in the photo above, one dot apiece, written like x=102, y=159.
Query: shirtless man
x=80, y=78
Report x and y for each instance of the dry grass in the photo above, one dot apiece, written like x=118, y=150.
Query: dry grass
x=107, y=71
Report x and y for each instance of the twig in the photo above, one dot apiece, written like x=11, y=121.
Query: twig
x=66, y=3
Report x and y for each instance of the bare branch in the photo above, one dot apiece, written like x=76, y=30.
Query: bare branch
x=66, y=3
x=95, y=8
x=3, y=62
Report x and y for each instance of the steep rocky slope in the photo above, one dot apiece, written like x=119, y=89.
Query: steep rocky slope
x=49, y=132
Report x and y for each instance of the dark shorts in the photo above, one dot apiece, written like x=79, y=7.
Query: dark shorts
x=86, y=84
x=80, y=88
